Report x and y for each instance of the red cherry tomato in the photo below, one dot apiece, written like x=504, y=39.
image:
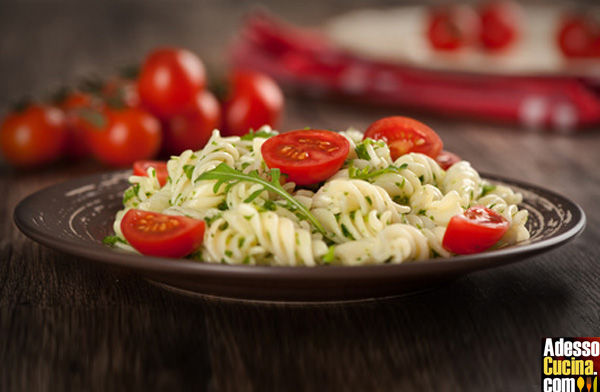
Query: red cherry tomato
x=140, y=168
x=404, y=135
x=121, y=92
x=577, y=37
x=155, y=234
x=192, y=129
x=256, y=100
x=306, y=156
x=124, y=136
x=74, y=107
x=446, y=159
x=169, y=80
x=452, y=28
x=500, y=24
x=34, y=136
x=476, y=230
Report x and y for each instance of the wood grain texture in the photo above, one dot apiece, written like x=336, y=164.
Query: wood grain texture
x=66, y=324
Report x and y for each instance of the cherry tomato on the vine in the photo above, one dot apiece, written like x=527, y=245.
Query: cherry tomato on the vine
x=451, y=28
x=306, y=156
x=33, y=136
x=155, y=234
x=192, y=128
x=478, y=229
x=255, y=100
x=404, y=135
x=169, y=80
x=123, y=136
x=140, y=168
x=74, y=106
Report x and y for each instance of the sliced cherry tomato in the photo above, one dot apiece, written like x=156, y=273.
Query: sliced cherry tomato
x=140, y=168
x=169, y=80
x=306, y=156
x=478, y=229
x=124, y=136
x=577, y=36
x=452, y=28
x=404, y=135
x=255, y=100
x=446, y=159
x=34, y=136
x=75, y=105
x=155, y=234
x=192, y=129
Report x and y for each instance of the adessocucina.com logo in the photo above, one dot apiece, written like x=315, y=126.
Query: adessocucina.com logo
x=570, y=364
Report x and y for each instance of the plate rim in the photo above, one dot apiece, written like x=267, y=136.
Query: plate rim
x=153, y=264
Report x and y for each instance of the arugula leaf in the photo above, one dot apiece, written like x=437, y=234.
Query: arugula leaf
x=365, y=173
x=260, y=133
x=225, y=174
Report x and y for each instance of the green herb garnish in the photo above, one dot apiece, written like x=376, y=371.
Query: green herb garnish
x=260, y=133
x=112, y=240
x=487, y=188
x=366, y=173
x=330, y=255
x=188, y=170
x=225, y=174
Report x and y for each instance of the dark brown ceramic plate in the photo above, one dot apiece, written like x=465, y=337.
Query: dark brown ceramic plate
x=75, y=216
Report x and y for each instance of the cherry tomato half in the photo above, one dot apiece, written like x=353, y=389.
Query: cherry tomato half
x=306, y=156
x=125, y=136
x=34, y=136
x=578, y=37
x=446, y=159
x=255, y=100
x=452, y=28
x=169, y=80
x=192, y=129
x=500, y=24
x=478, y=229
x=140, y=168
x=404, y=135
x=155, y=234
x=74, y=104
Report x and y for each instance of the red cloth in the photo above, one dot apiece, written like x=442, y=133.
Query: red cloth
x=308, y=61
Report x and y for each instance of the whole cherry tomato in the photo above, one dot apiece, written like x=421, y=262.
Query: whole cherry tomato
x=500, y=24
x=123, y=136
x=192, y=129
x=169, y=80
x=34, y=136
x=446, y=159
x=579, y=36
x=255, y=100
x=452, y=28
x=75, y=105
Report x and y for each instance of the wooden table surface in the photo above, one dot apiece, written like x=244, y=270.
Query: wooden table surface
x=66, y=324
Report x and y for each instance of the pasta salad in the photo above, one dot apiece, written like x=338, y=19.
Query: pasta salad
x=315, y=197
